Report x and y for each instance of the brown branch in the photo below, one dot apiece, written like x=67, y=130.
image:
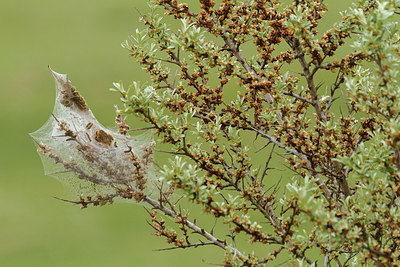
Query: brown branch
x=298, y=97
x=325, y=190
x=295, y=44
x=198, y=244
x=156, y=205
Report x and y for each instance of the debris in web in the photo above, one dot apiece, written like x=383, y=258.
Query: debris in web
x=97, y=163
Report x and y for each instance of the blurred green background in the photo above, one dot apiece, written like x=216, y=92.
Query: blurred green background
x=81, y=38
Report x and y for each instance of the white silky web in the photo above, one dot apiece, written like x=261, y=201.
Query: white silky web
x=77, y=150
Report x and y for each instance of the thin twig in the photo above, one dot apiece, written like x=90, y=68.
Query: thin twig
x=198, y=244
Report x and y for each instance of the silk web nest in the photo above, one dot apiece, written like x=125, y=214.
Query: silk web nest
x=97, y=163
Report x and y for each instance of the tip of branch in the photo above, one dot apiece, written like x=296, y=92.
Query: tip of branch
x=33, y=138
x=65, y=200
